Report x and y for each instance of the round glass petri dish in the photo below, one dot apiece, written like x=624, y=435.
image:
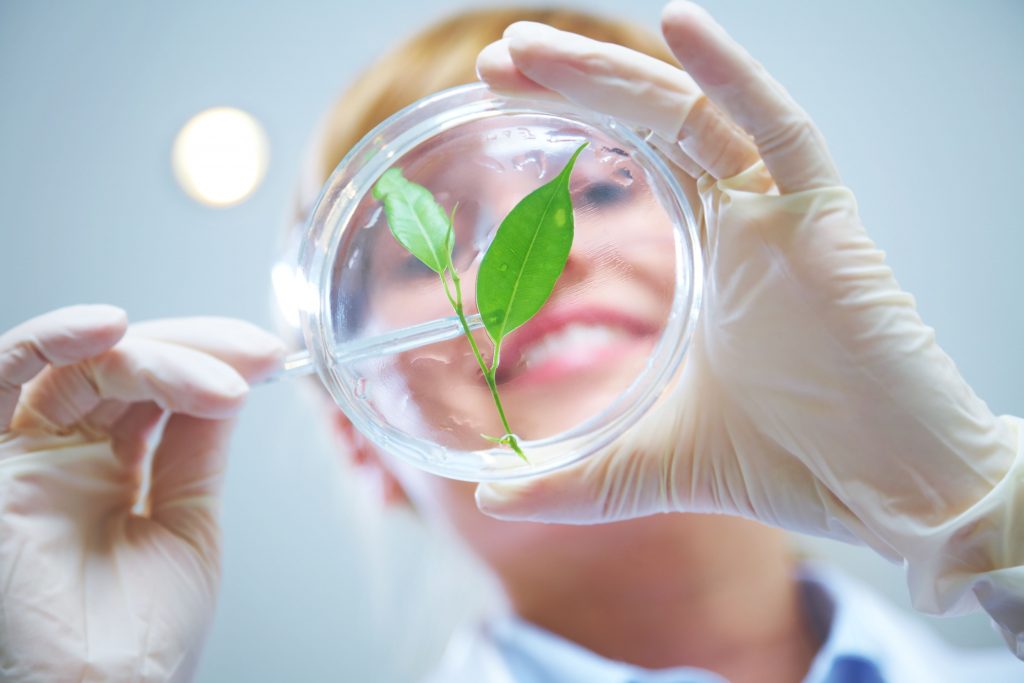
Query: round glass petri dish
x=385, y=340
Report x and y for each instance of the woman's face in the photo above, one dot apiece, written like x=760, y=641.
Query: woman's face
x=587, y=343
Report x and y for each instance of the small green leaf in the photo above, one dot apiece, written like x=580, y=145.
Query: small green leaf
x=528, y=253
x=416, y=220
x=509, y=440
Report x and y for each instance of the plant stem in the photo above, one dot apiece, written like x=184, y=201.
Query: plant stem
x=509, y=439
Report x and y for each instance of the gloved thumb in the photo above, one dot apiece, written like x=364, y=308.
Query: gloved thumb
x=554, y=497
x=623, y=480
x=631, y=477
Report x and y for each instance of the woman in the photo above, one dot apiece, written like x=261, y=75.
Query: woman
x=812, y=399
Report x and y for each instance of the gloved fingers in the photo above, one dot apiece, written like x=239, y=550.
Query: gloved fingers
x=534, y=59
x=188, y=471
x=176, y=378
x=502, y=76
x=640, y=473
x=251, y=351
x=60, y=337
x=627, y=479
x=792, y=147
x=495, y=67
x=563, y=497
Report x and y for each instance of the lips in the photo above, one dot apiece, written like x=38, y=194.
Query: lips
x=571, y=340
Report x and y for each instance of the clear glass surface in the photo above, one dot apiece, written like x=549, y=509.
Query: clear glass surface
x=385, y=340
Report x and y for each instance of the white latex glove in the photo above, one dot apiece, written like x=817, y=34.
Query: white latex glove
x=813, y=397
x=89, y=589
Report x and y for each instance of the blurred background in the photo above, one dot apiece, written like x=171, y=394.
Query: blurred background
x=920, y=101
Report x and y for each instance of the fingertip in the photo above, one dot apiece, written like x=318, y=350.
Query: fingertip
x=682, y=14
x=251, y=350
x=178, y=379
x=697, y=41
x=271, y=362
x=242, y=335
x=229, y=395
x=509, y=501
x=115, y=316
x=678, y=23
x=492, y=60
x=525, y=29
x=266, y=353
x=529, y=41
x=675, y=8
x=495, y=67
x=221, y=400
x=110, y=323
x=531, y=45
x=71, y=334
x=491, y=501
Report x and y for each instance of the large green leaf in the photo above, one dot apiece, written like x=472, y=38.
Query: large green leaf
x=528, y=253
x=416, y=220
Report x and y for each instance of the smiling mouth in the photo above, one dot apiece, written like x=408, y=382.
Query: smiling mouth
x=569, y=345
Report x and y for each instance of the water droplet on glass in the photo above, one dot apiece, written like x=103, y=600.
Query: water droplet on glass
x=360, y=389
x=489, y=162
x=623, y=177
x=503, y=267
x=534, y=162
x=428, y=355
x=565, y=136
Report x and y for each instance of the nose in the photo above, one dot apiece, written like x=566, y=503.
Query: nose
x=578, y=266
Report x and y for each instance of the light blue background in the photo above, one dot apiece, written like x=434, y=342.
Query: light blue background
x=920, y=100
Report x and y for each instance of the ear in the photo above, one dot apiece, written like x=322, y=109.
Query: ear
x=368, y=461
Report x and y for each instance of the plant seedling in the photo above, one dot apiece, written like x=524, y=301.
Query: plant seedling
x=518, y=271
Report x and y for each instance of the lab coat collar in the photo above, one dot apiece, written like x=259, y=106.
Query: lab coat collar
x=864, y=640
x=526, y=647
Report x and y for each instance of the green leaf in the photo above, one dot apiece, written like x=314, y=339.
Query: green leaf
x=528, y=253
x=416, y=220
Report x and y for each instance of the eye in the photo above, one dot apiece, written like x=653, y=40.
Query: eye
x=604, y=193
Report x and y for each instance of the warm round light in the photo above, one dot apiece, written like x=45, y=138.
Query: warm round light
x=220, y=156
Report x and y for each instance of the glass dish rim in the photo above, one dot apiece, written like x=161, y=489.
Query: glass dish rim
x=355, y=175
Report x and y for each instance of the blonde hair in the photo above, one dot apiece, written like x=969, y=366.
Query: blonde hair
x=443, y=56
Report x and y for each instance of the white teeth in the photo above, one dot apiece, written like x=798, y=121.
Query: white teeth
x=573, y=338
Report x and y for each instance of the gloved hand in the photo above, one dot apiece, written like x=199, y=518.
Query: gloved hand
x=812, y=397
x=91, y=590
